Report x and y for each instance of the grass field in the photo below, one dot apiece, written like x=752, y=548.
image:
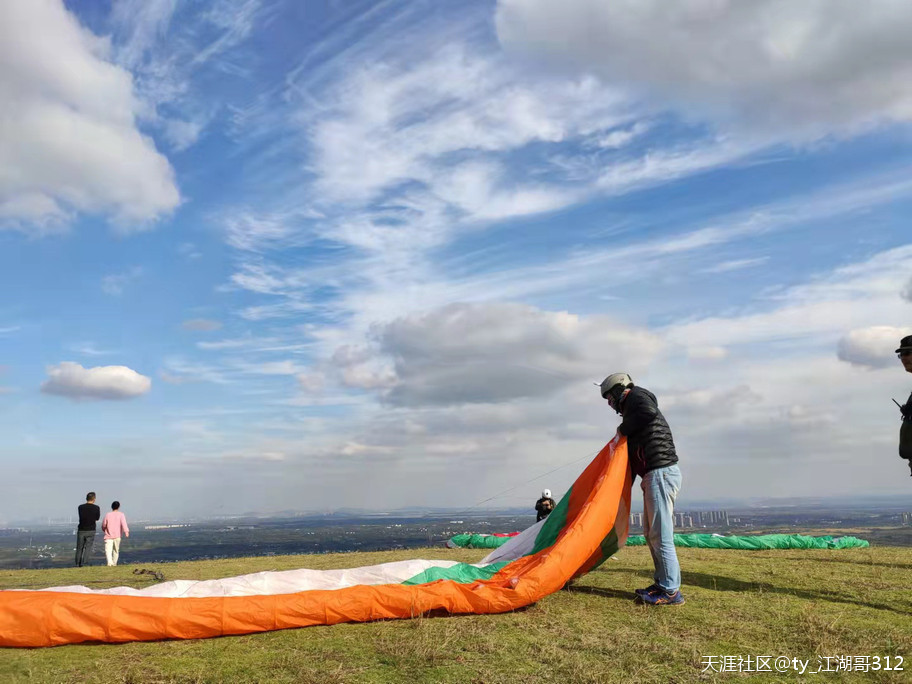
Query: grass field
x=798, y=604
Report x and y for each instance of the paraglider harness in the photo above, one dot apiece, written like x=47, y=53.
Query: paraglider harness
x=905, y=431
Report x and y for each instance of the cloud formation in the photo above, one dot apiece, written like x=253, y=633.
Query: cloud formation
x=494, y=352
x=907, y=291
x=811, y=65
x=71, y=380
x=69, y=139
x=871, y=347
x=116, y=283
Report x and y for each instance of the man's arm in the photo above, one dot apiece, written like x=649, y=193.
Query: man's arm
x=126, y=528
x=638, y=413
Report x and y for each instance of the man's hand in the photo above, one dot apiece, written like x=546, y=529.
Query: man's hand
x=906, y=411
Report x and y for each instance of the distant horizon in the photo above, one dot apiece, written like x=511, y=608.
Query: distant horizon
x=860, y=502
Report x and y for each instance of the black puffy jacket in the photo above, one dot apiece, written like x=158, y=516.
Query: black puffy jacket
x=543, y=508
x=649, y=441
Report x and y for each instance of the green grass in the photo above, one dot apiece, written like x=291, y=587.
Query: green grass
x=791, y=603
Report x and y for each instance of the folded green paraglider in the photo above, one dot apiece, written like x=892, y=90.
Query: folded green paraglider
x=697, y=541
x=758, y=542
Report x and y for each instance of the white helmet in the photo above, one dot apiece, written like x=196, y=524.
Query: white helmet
x=546, y=493
x=613, y=381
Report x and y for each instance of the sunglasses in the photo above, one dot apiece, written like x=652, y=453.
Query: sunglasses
x=904, y=353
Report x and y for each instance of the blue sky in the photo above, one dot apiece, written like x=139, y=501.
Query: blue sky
x=270, y=255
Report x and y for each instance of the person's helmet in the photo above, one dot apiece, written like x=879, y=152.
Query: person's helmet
x=614, y=380
x=546, y=493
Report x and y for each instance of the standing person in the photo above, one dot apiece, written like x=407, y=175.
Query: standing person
x=89, y=514
x=114, y=525
x=652, y=455
x=544, y=505
x=905, y=429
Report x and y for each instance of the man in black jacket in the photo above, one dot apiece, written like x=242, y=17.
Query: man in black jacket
x=544, y=505
x=89, y=514
x=905, y=429
x=652, y=456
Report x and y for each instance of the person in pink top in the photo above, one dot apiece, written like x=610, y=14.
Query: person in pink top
x=114, y=526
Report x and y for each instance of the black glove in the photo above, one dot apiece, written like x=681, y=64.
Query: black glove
x=906, y=411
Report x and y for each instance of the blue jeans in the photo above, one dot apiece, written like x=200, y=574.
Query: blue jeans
x=660, y=487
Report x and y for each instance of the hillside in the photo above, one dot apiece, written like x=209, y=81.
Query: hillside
x=797, y=604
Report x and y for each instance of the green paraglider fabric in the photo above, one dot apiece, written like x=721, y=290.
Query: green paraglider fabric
x=758, y=542
x=699, y=541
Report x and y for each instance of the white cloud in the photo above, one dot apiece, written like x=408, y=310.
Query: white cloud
x=275, y=368
x=116, y=283
x=800, y=67
x=165, y=44
x=815, y=312
x=369, y=377
x=251, y=232
x=69, y=379
x=735, y=265
x=620, y=137
x=201, y=325
x=492, y=352
x=389, y=123
x=409, y=149
x=907, y=291
x=292, y=307
x=871, y=347
x=69, y=140
x=90, y=349
x=253, y=343
x=707, y=353
x=801, y=416
x=724, y=401
x=178, y=371
x=196, y=431
x=182, y=134
x=266, y=279
x=312, y=382
x=189, y=251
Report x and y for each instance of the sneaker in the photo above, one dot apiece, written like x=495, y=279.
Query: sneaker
x=662, y=598
x=648, y=590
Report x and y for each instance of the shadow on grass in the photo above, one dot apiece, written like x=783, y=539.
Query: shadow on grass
x=721, y=583
x=601, y=591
